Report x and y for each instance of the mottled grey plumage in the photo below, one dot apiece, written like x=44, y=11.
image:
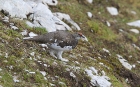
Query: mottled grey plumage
x=58, y=42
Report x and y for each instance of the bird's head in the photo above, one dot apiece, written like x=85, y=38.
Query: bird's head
x=79, y=35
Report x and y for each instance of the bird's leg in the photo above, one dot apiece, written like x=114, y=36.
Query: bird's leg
x=52, y=53
x=59, y=56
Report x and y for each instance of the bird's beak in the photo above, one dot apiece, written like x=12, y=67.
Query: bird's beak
x=84, y=38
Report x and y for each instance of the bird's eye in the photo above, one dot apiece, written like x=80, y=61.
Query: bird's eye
x=80, y=34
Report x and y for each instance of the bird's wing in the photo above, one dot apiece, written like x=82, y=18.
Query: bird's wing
x=64, y=38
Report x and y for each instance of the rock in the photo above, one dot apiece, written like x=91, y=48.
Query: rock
x=50, y=2
x=5, y=19
x=43, y=17
x=89, y=14
x=108, y=24
x=31, y=34
x=38, y=12
x=134, y=23
x=98, y=81
x=14, y=27
x=124, y=62
x=89, y=1
x=112, y=10
x=24, y=32
x=133, y=12
x=135, y=31
x=66, y=17
x=15, y=8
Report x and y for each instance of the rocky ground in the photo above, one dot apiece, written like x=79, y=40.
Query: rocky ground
x=109, y=59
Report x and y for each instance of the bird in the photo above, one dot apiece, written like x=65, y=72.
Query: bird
x=58, y=42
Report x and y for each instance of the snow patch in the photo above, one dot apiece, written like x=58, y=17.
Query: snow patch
x=112, y=10
x=124, y=62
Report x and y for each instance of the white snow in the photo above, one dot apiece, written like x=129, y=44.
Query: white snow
x=89, y=14
x=89, y=1
x=134, y=23
x=99, y=81
x=136, y=31
x=124, y=62
x=112, y=10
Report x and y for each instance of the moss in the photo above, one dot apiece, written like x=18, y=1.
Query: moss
x=115, y=82
x=39, y=30
x=6, y=80
x=102, y=30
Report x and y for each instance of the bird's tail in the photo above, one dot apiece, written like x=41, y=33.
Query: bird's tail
x=27, y=38
x=35, y=38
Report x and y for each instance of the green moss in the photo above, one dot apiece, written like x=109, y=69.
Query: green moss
x=6, y=80
x=133, y=38
x=101, y=30
x=40, y=30
x=115, y=82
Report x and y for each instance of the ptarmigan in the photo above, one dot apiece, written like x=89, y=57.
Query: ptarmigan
x=58, y=41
